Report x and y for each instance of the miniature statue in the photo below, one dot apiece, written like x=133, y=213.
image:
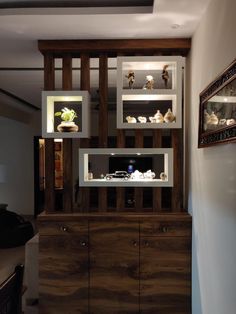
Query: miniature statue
x=213, y=120
x=149, y=174
x=206, y=119
x=130, y=77
x=169, y=116
x=137, y=175
x=159, y=117
x=165, y=75
x=149, y=82
x=131, y=119
x=152, y=119
x=163, y=176
x=142, y=119
x=222, y=122
x=230, y=121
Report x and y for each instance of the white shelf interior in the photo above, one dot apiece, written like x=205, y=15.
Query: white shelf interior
x=162, y=97
x=50, y=101
x=103, y=161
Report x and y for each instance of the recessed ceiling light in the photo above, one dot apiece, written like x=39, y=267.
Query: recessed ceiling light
x=175, y=26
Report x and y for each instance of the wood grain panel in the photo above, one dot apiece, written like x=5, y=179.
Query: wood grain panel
x=84, y=192
x=165, y=275
x=67, y=143
x=112, y=47
x=114, y=267
x=63, y=273
x=166, y=228
x=120, y=191
x=56, y=227
x=177, y=190
x=49, y=84
x=103, y=120
x=138, y=191
x=156, y=191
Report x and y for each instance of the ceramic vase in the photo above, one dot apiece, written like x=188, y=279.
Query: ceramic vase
x=67, y=126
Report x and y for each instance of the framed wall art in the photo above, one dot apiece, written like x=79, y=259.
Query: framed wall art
x=217, y=114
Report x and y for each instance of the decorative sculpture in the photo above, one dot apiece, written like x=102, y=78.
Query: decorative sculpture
x=149, y=82
x=131, y=119
x=165, y=75
x=142, y=119
x=169, y=116
x=130, y=76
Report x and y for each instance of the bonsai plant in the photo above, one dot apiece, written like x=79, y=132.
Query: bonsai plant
x=67, y=124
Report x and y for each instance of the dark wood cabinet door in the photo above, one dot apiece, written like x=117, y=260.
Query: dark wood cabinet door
x=114, y=267
x=165, y=275
x=63, y=265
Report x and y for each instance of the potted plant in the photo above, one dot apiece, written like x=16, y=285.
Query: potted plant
x=67, y=124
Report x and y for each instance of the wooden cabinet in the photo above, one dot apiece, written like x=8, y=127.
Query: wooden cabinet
x=165, y=266
x=63, y=261
x=114, y=267
x=114, y=264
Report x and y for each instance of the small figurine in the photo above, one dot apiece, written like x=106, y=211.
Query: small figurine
x=130, y=77
x=165, y=75
x=152, y=119
x=213, y=120
x=159, y=117
x=90, y=176
x=149, y=174
x=222, y=122
x=149, y=82
x=206, y=119
x=230, y=121
x=163, y=176
x=169, y=116
x=137, y=175
x=142, y=119
x=131, y=119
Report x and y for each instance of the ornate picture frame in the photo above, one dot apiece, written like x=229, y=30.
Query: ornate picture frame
x=217, y=111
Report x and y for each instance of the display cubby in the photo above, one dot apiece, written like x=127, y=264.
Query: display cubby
x=96, y=164
x=135, y=99
x=56, y=101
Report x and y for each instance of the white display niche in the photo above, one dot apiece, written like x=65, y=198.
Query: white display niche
x=96, y=163
x=56, y=101
x=134, y=101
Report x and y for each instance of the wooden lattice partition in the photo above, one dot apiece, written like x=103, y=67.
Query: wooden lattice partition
x=103, y=49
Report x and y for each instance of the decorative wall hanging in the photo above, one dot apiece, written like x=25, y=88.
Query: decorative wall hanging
x=217, y=115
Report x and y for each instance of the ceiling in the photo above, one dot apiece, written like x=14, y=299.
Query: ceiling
x=21, y=63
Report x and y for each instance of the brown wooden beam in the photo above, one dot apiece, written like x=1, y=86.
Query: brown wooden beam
x=114, y=45
x=67, y=143
x=49, y=84
x=138, y=192
x=103, y=119
x=177, y=190
x=156, y=191
x=84, y=142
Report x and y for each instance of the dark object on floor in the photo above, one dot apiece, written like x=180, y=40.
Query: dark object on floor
x=14, y=229
x=11, y=292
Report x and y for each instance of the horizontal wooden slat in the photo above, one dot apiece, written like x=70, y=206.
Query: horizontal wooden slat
x=62, y=228
x=111, y=46
x=165, y=228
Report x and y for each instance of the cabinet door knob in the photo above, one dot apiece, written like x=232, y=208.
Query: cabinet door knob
x=64, y=228
x=83, y=243
x=146, y=243
x=164, y=229
x=135, y=243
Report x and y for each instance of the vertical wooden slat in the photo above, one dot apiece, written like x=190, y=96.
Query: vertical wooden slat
x=49, y=84
x=84, y=142
x=103, y=119
x=138, y=191
x=177, y=192
x=156, y=191
x=67, y=143
x=120, y=191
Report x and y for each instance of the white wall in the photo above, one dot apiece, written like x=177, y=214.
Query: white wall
x=16, y=153
x=212, y=171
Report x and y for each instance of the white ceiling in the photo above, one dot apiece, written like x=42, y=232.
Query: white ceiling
x=20, y=31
